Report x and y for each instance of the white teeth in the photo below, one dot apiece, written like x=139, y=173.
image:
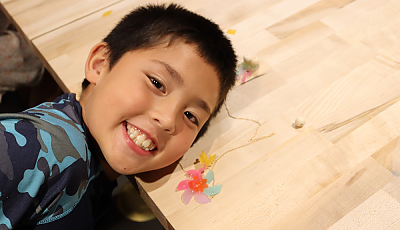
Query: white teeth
x=146, y=143
x=134, y=133
x=140, y=140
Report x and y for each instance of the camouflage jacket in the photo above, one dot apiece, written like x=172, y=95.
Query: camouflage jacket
x=46, y=168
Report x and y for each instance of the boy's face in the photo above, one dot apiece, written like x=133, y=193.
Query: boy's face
x=165, y=93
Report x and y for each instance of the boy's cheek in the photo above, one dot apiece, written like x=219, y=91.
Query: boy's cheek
x=175, y=155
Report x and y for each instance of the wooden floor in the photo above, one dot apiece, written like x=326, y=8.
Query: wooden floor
x=336, y=63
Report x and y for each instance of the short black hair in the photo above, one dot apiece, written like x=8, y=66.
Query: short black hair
x=151, y=25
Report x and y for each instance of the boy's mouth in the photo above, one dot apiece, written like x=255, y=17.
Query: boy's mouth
x=139, y=138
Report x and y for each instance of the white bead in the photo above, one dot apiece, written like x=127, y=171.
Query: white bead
x=299, y=122
x=247, y=58
x=254, y=62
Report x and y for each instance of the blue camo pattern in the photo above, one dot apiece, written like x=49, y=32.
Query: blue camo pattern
x=44, y=163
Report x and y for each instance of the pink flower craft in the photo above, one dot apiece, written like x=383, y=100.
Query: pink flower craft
x=245, y=70
x=198, y=186
x=242, y=74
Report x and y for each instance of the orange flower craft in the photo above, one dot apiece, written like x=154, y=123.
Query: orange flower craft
x=198, y=187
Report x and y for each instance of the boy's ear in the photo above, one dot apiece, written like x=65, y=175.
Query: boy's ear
x=96, y=62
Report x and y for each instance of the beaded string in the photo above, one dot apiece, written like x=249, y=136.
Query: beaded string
x=250, y=141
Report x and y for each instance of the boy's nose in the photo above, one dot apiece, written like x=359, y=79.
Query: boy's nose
x=165, y=119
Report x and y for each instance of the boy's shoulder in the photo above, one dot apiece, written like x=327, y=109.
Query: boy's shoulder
x=52, y=127
x=41, y=147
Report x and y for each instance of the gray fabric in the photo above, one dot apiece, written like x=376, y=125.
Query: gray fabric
x=18, y=64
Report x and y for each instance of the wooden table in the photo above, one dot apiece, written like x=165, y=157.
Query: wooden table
x=334, y=62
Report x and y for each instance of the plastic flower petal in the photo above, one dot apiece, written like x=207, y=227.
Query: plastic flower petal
x=194, y=173
x=201, y=198
x=187, y=196
x=213, y=190
x=183, y=185
x=209, y=177
x=208, y=160
x=198, y=187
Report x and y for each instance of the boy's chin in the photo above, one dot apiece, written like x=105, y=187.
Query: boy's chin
x=159, y=171
x=158, y=174
x=132, y=169
x=127, y=171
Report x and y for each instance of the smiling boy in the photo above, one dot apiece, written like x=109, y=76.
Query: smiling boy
x=165, y=93
x=152, y=86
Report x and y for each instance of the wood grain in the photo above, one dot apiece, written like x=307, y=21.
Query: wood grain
x=38, y=17
x=334, y=63
x=377, y=212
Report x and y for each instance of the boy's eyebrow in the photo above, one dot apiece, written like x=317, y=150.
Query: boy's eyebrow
x=176, y=76
x=202, y=104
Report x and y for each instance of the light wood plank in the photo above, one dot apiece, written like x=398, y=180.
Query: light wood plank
x=371, y=23
x=306, y=17
x=352, y=12
x=295, y=43
x=362, y=92
x=37, y=17
x=380, y=211
x=338, y=199
x=272, y=167
x=305, y=85
x=389, y=156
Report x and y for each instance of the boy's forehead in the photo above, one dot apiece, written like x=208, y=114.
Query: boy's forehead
x=167, y=47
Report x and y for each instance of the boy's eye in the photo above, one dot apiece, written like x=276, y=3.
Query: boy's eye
x=157, y=84
x=192, y=118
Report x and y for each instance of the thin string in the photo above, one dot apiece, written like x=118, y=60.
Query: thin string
x=250, y=141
